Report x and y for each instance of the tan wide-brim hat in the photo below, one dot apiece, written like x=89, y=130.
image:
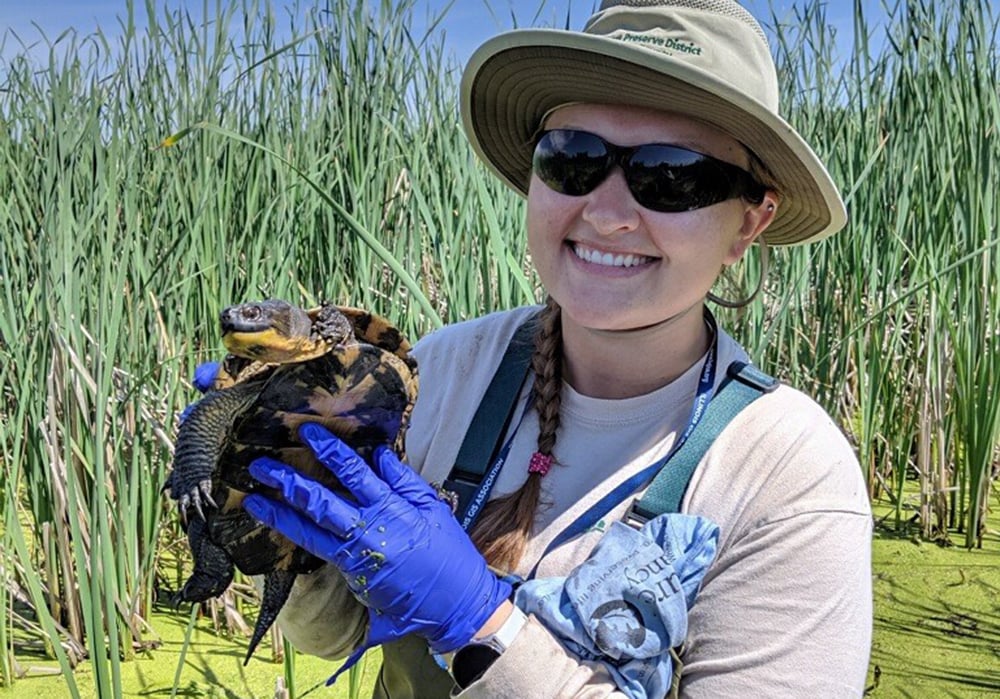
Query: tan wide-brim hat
x=708, y=59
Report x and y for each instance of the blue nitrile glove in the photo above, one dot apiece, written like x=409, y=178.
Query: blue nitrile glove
x=400, y=549
x=626, y=605
x=204, y=375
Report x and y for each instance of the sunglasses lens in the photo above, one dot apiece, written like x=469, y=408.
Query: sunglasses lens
x=571, y=162
x=660, y=176
x=669, y=179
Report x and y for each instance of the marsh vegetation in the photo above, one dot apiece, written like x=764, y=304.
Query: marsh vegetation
x=317, y=155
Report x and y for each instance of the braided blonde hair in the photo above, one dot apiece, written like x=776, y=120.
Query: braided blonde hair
x=505, y=525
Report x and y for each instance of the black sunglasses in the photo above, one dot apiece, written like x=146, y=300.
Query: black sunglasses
x=661, y=177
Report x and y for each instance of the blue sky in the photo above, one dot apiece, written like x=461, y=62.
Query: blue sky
x=467, y=22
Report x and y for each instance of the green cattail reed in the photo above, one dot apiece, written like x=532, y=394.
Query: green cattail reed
x=320, y=157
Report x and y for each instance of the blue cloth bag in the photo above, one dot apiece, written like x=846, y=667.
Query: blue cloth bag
x=626, y=606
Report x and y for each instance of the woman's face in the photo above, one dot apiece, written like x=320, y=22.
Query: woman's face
x=612, y=264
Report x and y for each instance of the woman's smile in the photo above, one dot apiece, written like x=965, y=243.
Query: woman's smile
x=609, y=259
x=611, y=263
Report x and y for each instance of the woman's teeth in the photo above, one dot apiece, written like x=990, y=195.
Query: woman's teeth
x=606, y=258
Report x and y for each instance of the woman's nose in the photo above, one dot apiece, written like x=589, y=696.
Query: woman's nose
x=610, y=207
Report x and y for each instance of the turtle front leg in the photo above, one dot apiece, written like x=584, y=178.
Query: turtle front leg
x=213, y=569
x=201, y=440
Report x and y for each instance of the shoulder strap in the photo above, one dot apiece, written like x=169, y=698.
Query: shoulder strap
x=743, y=384
x=492, y=418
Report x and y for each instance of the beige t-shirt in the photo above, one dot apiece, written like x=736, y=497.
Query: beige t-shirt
x=785, y=609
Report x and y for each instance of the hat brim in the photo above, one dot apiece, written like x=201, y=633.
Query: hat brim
x=514, y=79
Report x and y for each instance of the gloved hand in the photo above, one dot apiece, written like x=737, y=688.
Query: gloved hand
x=400, y=549
x=204, y=375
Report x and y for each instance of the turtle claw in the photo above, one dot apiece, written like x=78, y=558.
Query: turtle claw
x=206, y=492
x=182, y=506
x=200, y=495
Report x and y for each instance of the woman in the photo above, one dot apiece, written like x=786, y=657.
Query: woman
x=628, y=236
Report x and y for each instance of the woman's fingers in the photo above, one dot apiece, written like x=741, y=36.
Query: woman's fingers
x=204, y=375
x=349, y=468
x=403, y=480
x=313, y=500
x=294, y=525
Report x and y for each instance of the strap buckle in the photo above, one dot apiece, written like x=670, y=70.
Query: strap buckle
x=636, y=516
x=752, y=377
x=462, y=490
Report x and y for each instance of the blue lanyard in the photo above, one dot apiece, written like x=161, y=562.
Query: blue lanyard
x=483, y=492
x=585, y=521
x=599, y=509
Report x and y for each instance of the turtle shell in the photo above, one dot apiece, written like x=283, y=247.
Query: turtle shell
x=362, y=389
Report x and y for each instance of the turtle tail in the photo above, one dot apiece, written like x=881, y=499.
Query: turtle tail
x=277, y=587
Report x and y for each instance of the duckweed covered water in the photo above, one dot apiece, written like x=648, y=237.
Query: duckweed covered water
x=213, y=669
x=937, y=634
x=937, y=618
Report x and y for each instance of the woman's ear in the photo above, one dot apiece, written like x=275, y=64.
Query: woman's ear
x=756, y=219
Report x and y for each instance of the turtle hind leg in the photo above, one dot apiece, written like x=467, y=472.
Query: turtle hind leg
x=213, y=569
x=333, y=326
x=277, y=587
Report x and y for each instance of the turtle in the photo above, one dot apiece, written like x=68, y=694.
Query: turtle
x=343, y=367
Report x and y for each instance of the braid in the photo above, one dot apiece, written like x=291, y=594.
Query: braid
x=506, y=522
x=546, y=362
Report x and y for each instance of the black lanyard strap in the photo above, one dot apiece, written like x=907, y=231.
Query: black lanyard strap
x=483, y=439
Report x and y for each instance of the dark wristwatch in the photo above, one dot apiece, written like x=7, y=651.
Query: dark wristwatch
x=473, y=660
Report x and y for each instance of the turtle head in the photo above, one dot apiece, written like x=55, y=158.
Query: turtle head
x=272, y=331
